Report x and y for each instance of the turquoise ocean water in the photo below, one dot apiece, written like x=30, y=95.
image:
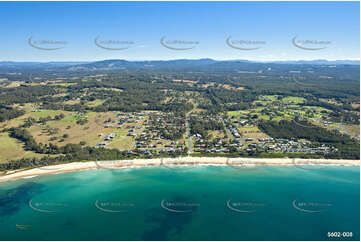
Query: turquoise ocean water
x=199, y=203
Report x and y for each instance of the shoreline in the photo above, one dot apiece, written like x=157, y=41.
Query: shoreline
x=171, y=163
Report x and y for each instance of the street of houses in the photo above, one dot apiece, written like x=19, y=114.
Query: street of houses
x=158, y=132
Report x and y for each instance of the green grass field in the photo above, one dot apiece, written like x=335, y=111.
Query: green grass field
x=11, y=149
x=294, y=100
x=95, y=103
x=88, y=132
x=122, y=141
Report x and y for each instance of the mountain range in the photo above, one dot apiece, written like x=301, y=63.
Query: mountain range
x=180, y=64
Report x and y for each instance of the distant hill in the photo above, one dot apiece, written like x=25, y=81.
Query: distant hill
x=321, y=62
x=124, y=64
x=183, y=64
x=42, y=66
x=166, y=65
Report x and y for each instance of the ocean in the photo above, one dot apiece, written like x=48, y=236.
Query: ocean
x=185, y=203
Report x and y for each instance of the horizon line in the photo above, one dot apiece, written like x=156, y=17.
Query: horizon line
x=130, y=60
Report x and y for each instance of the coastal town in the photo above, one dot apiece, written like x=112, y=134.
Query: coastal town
x=153, y=132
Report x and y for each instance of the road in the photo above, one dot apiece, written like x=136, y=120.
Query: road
x=188, y=132
x=229, y=133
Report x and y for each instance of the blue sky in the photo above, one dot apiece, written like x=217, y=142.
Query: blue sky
x=333, y=26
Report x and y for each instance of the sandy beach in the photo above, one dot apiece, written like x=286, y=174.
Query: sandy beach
x=171, y=162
